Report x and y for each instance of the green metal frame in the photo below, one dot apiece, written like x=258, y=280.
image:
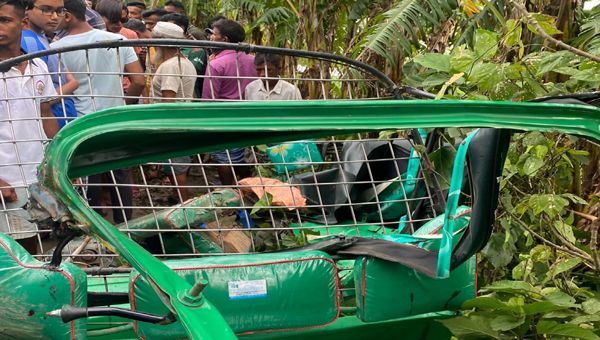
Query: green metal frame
x=127, y=136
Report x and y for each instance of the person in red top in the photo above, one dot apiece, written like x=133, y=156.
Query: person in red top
x=114, y=13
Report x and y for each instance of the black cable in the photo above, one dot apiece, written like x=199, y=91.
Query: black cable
x=57, y=254
x=73, y=313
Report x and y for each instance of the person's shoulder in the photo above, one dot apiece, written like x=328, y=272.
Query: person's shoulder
x=247, y=56
x=104, y=35
x=188, y=63
x=29, y=34
x=255, y=83
x=39, y=66
x=90, y=13
x=127, y=33
x=287, y=84
x=197, y=33
x=168, y=66
x=80, y=38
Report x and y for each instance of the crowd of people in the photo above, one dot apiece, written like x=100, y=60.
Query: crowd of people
x=42, y=95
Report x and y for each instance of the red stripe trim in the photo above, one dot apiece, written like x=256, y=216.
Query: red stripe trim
x=337, y=290
x=9, y=251
x=476, y=271
x=441, y=226
x=364, y=281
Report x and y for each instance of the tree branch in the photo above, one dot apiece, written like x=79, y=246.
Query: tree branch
x=546, y=36
x=544, y=240
x=594, y=245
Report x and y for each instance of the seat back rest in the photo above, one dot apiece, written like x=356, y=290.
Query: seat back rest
x=387, y=290
x=485, y=157
x=254, y=293
x=30, y=289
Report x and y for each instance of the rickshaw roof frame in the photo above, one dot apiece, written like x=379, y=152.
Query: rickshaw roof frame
x=99, y=142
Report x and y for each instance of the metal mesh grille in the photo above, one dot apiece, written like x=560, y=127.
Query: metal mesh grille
x=348, y=184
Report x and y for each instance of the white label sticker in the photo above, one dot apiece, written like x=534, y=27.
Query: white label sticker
x=247, y=289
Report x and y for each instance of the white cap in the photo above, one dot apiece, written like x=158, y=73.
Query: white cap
x=167, y=30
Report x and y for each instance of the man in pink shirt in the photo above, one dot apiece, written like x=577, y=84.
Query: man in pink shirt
x=223, y=63
x=240, y=68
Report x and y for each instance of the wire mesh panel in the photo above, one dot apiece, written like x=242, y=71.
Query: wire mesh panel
x=297, y=192
x=32, y=109
x=261, y=197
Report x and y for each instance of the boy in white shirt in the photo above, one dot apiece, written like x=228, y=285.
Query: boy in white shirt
x=22, y=131
x=99, y=91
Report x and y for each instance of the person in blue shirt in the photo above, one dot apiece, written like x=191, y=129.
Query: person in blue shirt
x=45, y=16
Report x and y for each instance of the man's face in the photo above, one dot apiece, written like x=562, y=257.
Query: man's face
x=143, y=35
x=115, y=27
x=217, y=36
x=173, y=9
x=151, y=22
x=134, y=12
x=11, y=26
x=43, y=22
x=268, y=70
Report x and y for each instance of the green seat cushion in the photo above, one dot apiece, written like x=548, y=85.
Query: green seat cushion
x=30, y=290
x=387, y=290
x=254, y=293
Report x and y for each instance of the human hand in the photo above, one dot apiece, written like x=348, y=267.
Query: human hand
x=9, y=194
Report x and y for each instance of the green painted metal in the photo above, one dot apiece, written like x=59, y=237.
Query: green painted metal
x=391, y=290
x=288, y=278
x=126, y=136
x=30, y=289
x=421, y=327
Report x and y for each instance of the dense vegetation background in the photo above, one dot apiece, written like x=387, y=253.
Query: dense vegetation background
x=539, y=274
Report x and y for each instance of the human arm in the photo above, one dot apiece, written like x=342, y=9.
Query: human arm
x=145, y=95
x=71, y=85
x=50, y=125
x=138, y=81
x=168, y=94
x=68, y=88
x=49, y=122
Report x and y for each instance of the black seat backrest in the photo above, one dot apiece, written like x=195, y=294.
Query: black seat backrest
x=485, y=158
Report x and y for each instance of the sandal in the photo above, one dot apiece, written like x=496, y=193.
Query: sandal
x=166, y=200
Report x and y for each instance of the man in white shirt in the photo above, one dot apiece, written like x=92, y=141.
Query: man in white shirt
x=22, y=129
x=105, y=90
x=101, y=91
x=270, y=87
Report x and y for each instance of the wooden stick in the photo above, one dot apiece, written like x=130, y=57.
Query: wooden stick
x=586, y=216
x=594, y=245
x=79, y=249
x=546, y=36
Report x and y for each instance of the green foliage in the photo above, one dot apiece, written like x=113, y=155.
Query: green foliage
x=399, y=28
x=443, y=161
x=538, y=269
x=540, y=286
x=517, y=310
